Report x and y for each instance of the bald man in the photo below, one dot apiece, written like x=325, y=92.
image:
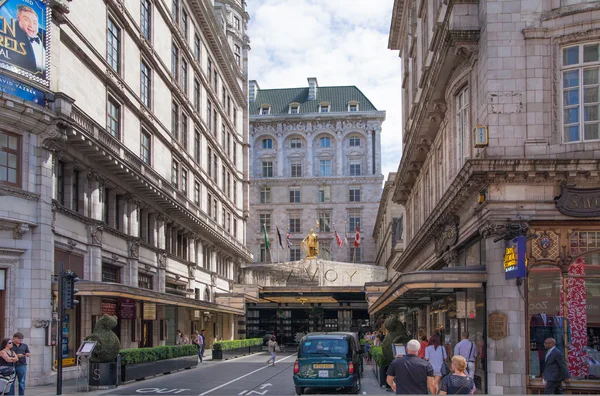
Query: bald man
x=555, y=368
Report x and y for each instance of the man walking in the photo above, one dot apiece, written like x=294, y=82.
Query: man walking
x=555, y=368
x=22, y=352
x=203, y=343
x=411, y=375
x=468, y=350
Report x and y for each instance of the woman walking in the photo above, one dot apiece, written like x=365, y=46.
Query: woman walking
x=7, y=364
x=273, y=348
x=436, y=355
x=458, y=383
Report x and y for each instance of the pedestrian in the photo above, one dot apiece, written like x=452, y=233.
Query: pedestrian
x=468, y=350
x=22, y=351
x=409, y=375
x=273, y=348
x=458, y=383
x=7, y=364
x=178, y=338
x=184, y=339
x=436, y=355
x=377, y=341
x=424, y=345
x=203, y=345
x=555, y=368
x=368, y=350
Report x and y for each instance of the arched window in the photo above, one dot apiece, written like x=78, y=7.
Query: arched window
x=325, y=142
x=295, y=143
x=354, y=141
x=267, y=143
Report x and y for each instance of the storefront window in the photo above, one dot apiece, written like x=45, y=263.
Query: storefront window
x=473, y=254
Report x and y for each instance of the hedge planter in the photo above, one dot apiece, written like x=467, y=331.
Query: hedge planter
x=150, y=369
x=231, y=349
x=103, y=375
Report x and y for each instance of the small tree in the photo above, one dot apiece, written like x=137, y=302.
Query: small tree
x=108, y=344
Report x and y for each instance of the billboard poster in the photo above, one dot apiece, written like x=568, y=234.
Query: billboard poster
x=515, y=260
x=20, y=89
x=24, y=38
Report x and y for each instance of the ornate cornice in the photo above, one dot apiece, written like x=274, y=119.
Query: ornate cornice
x=362, y=180
x=17, y=192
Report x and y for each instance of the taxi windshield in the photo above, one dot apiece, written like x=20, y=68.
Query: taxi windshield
x=323, y=347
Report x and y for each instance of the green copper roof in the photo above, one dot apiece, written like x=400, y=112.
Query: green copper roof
x=338, y=98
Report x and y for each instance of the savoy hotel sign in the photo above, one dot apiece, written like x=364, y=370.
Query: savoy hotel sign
x=578, y=202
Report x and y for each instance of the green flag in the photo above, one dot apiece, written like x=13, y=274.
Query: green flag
x=266, y=237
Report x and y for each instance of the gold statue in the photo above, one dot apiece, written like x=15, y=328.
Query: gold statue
x=312, y=244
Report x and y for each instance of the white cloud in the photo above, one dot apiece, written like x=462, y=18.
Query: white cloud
x=340, y=42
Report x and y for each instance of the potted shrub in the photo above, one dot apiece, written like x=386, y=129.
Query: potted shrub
x=233, y=348
x=139, y=363
x=103, y=362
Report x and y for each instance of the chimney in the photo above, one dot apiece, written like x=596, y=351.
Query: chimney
x=313, y=87
x=253, y=90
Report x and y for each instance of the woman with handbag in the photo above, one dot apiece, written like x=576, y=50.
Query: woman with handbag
x=458, y=383
x=273, y=348
x=436, y=355
x=7, y=364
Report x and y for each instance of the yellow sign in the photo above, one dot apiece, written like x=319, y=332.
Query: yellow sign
x=149, y=311
x=510, y=257
x=66, y=362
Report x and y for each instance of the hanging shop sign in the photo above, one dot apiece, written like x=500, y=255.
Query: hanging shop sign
x=515, y=261
x=109, y=308
x=497, y=326
x=25, y=38
x=149, y=311
x=578, y=202
x=127, y=308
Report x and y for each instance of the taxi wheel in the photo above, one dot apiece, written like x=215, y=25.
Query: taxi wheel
x=299, y=390
x=355, y=390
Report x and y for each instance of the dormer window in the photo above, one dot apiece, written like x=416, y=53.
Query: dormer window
x=294, y=108
x=324, y=107
x=267, y=143
x=353, y=106
x=265, y=110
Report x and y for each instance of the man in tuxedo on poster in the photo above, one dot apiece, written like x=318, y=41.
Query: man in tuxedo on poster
x=34, y=60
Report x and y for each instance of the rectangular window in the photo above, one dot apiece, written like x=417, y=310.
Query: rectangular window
x=294, y=194
x=223, y=136
x=175, y=11
x=184, y=181
x=293, y=109
x=237, y=54
x=228, y=224
x=175, y=62
x=229, y=145
x=228, y=185
x=354, y=168
x=175, y=120
x=224, y=96
x=296, y=168
x=60, y=178
x=175, y=174
x=145, y=147
x=113, y=45
x=111, y=273
x=118, y=219
x=215, y=168
x=236, y=23
x=234, y=154
x=215, y=209
x=295, y=254
x=263, y=253
x=105, y=206
x=145, y=84
x=294, y=221
x=354, y=194
x=10, y=159
x=324, y=221
x=353, y=221
x=197, y=147
x=75, y=191
x=113, y=118
x=216, y=82
x=325, y=167
x=209, y=163
x=235, y=118
x=324, y=193
x=264, y=220
x=462, y=125
x=354, y=141
x=208, y=206
x=265, y=195
x=223, y=178
x=324, y=109
x=234, y=192
x=145, y=18
x=295, y=143
x=197, y=95
x=267, y=169
x=184, y=23
x=184, y=79
x=197, y=193
x=208, y=115
x=353, y=108
x=197, y=48
x=214, y=122
x=184, y=131
x=209, y=70
x=354, y=254
x=144, y=281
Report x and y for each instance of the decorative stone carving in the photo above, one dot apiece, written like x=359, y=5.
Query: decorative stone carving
x=97, y=231
x=115, y=257
x=162, y=259
x=451, y=258
x=446, y=235
x=17, y=192
x=213, y=279
x=192, y=271
x=506, y=231
x=134, y=249
x=41, y=323
x=20, y=230
x=72, y=244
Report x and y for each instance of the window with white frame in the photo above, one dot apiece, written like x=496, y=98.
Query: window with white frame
x=265, y=195
x=462, y=125
x=325, y=167
x=264, y=219
x=325, y=142
x=145, y=146
x=296, y=168
x=581, y=96
x=354, y=194
x=267, y=143
x=184, y=181
x=145, y=84
x=294, y=220
x=354, y=167
x=353, y=108
x=295, y=254
x=324, y=193
x=196, y=193
x=113, y=45
x=265, y=110
x=113, y=117
x=354, y=141
x=295, y=143
x=324, y=221
x=175, y=174
x=10, y=160
x=294, y=194
x=324, y=107
x=294, y=109
x=267, y=169
x=353, y=220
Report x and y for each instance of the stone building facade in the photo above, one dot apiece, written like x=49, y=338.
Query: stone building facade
x=134, y=175
x=500, y=163
x=315, y=156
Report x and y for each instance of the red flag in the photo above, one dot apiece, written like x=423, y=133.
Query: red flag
x=357, y=237
x=338, y=239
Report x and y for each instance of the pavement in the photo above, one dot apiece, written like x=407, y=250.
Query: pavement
x=243, y=376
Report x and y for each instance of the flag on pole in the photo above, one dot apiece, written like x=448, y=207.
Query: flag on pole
x=279, y=237
x=357, y=237
x=289, y=238
x=345, y=236
x=338, y=238
x=266, y=237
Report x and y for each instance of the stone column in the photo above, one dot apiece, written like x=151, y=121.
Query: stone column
x=506, y=360
x=133, y=210
x=94, y=201
x=213, y=261
x=309, y=154
x=160, y=231
x=174, y=232
x=339, y=159
x=280, y=159
x=143, y=219
x=377, y=142
x=133, y=261
x=191, y=249
x=152, y=225
x=370, y=136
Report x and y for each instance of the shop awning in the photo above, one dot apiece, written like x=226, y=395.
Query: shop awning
x=115, y=290
x=420, y=288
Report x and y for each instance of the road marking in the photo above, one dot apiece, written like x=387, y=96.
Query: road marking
x=243, y=376
x=160, y=390
x=258, y=393
x=265, y=385
x=242, y=392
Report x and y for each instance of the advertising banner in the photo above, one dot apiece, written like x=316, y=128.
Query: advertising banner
x=24, y=91
x=515, y=265
x=24, y=38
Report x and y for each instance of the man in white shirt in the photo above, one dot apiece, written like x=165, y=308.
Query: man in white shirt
x=468, y=350
x=34, y=43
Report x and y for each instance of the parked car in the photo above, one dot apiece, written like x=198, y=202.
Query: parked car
x=328, y=360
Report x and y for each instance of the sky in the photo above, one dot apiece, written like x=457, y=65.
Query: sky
x=340, y=42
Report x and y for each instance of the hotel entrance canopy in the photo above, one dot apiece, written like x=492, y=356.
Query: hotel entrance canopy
x=421, y=288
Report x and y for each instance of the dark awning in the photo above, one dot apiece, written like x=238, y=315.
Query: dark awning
x=422, y=287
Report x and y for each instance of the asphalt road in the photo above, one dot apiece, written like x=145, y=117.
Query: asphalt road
x=244, y=376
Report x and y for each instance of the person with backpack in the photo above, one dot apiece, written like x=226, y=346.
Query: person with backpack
x=468, y=350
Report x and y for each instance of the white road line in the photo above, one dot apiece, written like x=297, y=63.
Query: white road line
x=243, y=376
x=242, y=392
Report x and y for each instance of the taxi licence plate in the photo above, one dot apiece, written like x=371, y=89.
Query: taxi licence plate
x=323, y=366
x=323, y=374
